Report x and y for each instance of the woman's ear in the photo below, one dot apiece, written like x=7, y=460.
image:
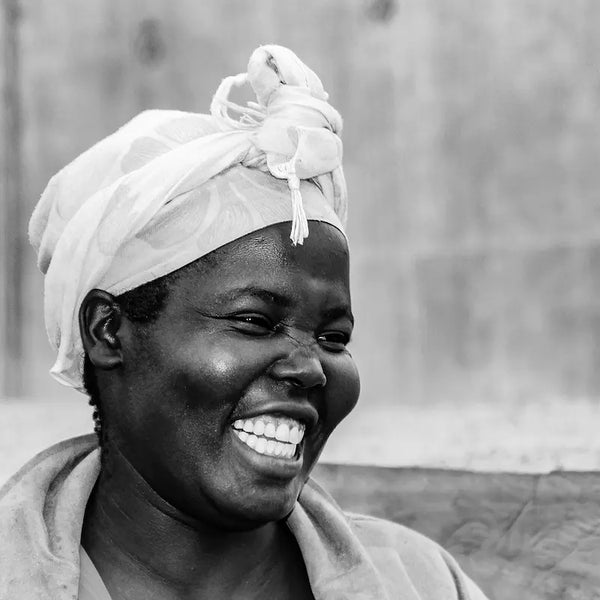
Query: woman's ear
x=99, y=323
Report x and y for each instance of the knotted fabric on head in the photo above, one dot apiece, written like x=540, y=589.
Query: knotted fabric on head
x=170, y=187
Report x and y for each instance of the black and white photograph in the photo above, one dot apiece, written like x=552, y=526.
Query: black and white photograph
x=300, y=300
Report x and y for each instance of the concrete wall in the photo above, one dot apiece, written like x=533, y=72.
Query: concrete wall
x=472, y=146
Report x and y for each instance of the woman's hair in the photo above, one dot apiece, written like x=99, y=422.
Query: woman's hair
x=142, y=305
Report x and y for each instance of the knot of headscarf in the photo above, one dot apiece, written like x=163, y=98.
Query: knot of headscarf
x=170, y=187
x=294, y=128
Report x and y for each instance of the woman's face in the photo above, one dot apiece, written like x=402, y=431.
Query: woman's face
x=229, y=397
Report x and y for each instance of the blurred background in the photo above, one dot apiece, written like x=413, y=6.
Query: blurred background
x=472, y=153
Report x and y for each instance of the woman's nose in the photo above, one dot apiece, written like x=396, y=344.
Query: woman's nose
x=301, y=367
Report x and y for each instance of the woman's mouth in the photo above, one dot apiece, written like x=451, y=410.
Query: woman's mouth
x=270, y=435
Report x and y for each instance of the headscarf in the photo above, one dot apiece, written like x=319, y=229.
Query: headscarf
x=170, y=187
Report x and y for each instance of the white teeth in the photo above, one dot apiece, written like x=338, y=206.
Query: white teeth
x=294, y=435
x=265, y=446
x=283, y=433
x=270, y=435
x=272, y=427
x=261, y=445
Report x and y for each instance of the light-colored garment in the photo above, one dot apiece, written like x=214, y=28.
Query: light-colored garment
x=170, y=187
x=91, y=586
x=347, y=557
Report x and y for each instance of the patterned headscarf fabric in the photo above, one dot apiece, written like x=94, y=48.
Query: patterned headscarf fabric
x=170, y=187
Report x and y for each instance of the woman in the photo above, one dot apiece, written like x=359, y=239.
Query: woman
x=213, y=348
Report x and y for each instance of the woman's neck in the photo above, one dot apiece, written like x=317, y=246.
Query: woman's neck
x=144, y=547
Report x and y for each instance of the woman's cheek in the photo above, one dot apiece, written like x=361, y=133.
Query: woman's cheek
x=223, y=369
x=214, y=366
x=344, y=383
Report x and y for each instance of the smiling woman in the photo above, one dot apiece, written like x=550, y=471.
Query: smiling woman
x=255, y=339
x=213, y=345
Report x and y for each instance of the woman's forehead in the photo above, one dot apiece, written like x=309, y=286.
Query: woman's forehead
x=323, y=237
x=267, y=260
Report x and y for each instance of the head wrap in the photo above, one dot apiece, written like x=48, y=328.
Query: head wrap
x=170, y=187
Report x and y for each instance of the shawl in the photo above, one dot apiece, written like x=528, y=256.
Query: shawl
x=347, y=557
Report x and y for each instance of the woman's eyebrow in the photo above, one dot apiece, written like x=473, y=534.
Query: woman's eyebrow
x=263, y=294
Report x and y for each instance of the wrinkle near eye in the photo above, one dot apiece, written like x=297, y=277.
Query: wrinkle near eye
x=299, y=343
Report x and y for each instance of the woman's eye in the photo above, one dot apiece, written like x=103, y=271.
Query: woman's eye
x=335, y=341
x=254, y=324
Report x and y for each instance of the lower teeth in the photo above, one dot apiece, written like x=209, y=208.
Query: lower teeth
x=266, y=446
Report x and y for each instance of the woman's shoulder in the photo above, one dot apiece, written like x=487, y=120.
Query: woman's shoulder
x=378, y=531
x=40, y=470
x=41, y=511
x=375, y=531
x=399, y=554
x=427, y=564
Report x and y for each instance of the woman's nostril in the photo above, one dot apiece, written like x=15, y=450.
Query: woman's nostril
x=310, y=380
x=301, y=367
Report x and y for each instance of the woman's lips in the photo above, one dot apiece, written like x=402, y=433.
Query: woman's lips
x=271, y=435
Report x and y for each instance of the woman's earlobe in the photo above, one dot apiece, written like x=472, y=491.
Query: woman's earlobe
x=99, y=323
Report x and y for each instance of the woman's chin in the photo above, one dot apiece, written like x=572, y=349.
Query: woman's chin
x=259, y=508
x=267, y=512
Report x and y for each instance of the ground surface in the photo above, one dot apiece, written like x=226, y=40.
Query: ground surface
x=524, y=437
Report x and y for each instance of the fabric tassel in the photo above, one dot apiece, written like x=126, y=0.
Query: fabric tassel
x=299, y=221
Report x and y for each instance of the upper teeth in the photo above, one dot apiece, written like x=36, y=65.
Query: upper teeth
x=288, y=430
x=275, y=436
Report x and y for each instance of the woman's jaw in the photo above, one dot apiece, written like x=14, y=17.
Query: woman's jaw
x=224, y=404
